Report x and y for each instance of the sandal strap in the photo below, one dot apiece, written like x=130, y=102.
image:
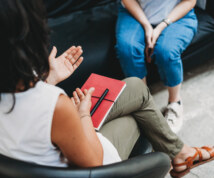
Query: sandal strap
x=209, y=150
x=189, y=161
x=199, y=153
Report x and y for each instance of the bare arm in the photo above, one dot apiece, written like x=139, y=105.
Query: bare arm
x=181, y=9
x=82, y=100
x=177, y=13
x=152, y=35
x=136, y=11
x=78, y=142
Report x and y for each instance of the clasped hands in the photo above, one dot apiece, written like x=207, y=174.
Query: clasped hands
x=152, y=35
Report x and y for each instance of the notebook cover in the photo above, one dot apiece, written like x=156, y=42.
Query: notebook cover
x=101, y=83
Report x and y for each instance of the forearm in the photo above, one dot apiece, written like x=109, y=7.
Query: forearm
x=137, y=12
x=178, y=12
x=181, y=10
x=91, y=135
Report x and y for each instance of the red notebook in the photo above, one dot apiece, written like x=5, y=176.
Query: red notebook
x=101, y=83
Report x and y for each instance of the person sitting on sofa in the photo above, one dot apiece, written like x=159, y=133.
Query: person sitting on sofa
x=39, y=123
x=163, y=30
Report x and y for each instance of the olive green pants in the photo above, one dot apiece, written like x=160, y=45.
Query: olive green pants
x=136, y=105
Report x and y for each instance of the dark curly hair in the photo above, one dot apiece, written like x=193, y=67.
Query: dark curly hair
x=24, y=39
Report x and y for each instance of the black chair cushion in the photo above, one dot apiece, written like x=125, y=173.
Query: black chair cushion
x=202, y=46
x=94, y=30
x=56, y=8
x=205, y=33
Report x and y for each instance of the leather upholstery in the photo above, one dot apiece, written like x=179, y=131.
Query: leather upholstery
x=139, y=164
x=91, y=23
x=201, y=48
x=56, y=8
x=94, y=30
x=209, y=7
x=154, y=165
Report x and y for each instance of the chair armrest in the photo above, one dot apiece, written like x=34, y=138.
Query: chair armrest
x=155, y=165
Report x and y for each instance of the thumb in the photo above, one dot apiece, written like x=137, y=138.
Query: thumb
x=149, y=41
x=53, y=53
x=153, y=41
x=89, y=93
x=150, y=44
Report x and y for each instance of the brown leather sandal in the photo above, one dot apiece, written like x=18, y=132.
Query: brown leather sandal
x=190, y=162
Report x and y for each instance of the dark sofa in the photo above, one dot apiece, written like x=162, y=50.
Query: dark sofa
x=91, y=23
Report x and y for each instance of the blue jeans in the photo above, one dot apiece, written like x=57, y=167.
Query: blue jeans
x=173, y=40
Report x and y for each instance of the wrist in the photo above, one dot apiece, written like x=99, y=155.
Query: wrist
x=84, y=113
x=51, y=80
x=161, y=26
x=82, y=116
x=147, y=26
x=167, y=21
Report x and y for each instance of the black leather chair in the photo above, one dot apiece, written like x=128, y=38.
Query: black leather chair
x=150, y=165
x=141, y=163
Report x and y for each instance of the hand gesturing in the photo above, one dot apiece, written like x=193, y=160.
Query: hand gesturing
x=64, y=65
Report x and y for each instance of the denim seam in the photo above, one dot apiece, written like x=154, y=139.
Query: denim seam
x=132, y=40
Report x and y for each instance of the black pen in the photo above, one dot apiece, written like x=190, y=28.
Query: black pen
x=99, y=101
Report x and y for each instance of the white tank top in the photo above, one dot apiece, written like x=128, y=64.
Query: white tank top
x=25, y=133
x=157, y=10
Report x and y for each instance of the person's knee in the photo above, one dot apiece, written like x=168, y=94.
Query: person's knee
x=122, y=46
x=133, y=81
x=166, y=54
x=138, y=90
x=136, y=84
x=129, y=49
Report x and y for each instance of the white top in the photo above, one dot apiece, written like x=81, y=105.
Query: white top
x=157, y=10
x=25, y=133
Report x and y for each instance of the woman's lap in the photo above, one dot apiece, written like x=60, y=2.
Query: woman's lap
x=170, y=45
x=167, y=53
x=136, y=103
x=123, y=133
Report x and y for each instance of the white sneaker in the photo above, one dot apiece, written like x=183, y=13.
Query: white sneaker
x=173, y=114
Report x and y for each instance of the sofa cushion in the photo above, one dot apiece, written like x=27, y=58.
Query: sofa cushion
x=56, y=8
x=94, y=30
x=205, y=31
x=203, y=42
x=201, y=4
x=209, y=7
